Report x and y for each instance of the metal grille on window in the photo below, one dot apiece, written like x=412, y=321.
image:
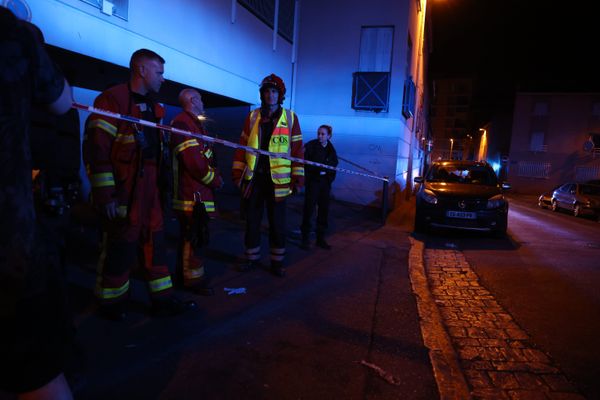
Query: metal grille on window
x=370, y=91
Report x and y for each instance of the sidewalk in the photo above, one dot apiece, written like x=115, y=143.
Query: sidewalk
x=342, y=324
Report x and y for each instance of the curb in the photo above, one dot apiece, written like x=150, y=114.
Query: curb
x=450, y=379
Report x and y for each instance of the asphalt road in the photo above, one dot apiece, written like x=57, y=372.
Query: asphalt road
x=546, y=274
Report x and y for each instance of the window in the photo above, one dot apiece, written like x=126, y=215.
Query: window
x=376, y=49
x=410, y=89
x=265, y=11
x=408, y=98
x=371, y=84
x=537, y=142
x=120, y=7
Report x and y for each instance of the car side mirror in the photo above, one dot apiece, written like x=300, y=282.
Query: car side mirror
x=418, y=179
x=505, y=186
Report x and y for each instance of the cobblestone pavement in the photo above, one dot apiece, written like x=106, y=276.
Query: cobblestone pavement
x=497, y=357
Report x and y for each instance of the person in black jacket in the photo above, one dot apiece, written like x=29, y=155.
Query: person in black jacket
x=318, y=185
x=36, y=328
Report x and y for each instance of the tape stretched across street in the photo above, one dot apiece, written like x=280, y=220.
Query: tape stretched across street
x=219, y=141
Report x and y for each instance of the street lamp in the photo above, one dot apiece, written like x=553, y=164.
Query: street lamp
x=482, y=154
x=451, y=147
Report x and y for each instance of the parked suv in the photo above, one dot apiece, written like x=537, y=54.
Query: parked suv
x=462, y=195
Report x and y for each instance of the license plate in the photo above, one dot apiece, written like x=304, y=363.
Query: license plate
x=461, y=214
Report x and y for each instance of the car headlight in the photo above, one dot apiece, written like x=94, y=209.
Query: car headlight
x=429, y=197
x=496, y=202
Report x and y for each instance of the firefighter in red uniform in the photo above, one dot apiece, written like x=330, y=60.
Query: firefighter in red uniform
x=195, y=177
x=123, y=159
x=264, y=180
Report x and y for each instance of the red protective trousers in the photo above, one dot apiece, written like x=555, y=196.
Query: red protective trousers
x=139, y=236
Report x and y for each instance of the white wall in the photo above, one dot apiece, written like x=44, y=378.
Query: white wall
x=328, y=54
x=200, y=44
x=203, y=48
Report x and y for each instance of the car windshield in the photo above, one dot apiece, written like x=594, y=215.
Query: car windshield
x=468, y=174
x=590, y=189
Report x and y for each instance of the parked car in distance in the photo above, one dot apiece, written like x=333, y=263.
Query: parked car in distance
x=545, y=199
x=579, y=198
x=464, y=195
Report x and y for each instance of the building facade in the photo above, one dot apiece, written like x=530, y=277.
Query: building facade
x=453, y=137
x=357, y=66
x=555, y=139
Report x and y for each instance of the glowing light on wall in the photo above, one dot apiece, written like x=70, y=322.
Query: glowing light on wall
x=496, y=167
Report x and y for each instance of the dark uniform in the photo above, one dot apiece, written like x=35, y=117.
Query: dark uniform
x=318, y=187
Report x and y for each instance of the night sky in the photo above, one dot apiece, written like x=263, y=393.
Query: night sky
x=527, y=45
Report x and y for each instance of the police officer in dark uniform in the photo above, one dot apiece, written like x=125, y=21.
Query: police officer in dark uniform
x=318, y=185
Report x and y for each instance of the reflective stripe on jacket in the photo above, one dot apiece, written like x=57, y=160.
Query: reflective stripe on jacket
x=286, y=139
x=194, y=177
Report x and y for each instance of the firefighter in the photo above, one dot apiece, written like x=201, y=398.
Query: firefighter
x=195, y=178
x=123, y=159
x=264, y=180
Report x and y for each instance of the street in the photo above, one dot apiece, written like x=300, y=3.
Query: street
x=349, y=323
x=342, y=323
x=545, y=274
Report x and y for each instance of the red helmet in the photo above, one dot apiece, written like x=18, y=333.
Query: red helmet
x=276, y=82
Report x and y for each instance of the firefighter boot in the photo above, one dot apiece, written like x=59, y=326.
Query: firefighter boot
x=277, y=269
x=171, y=306
x=113, y=311
x=202, y=287
x=322, y=243
x=305, y=243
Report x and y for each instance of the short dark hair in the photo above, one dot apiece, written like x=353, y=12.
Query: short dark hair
x=328, y=128
x=142, y=54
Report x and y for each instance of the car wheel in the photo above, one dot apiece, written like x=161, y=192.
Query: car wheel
x=500, y=231
x=554, y=205
x=577, y=210
x=541, y=203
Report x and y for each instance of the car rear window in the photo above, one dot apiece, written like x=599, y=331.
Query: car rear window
x=467, y=174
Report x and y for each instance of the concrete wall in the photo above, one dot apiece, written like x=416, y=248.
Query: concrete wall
x=205, y=49
x=328, y=55
x=200, y=44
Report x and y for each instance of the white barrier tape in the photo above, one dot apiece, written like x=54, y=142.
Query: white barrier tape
x=211, y=139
